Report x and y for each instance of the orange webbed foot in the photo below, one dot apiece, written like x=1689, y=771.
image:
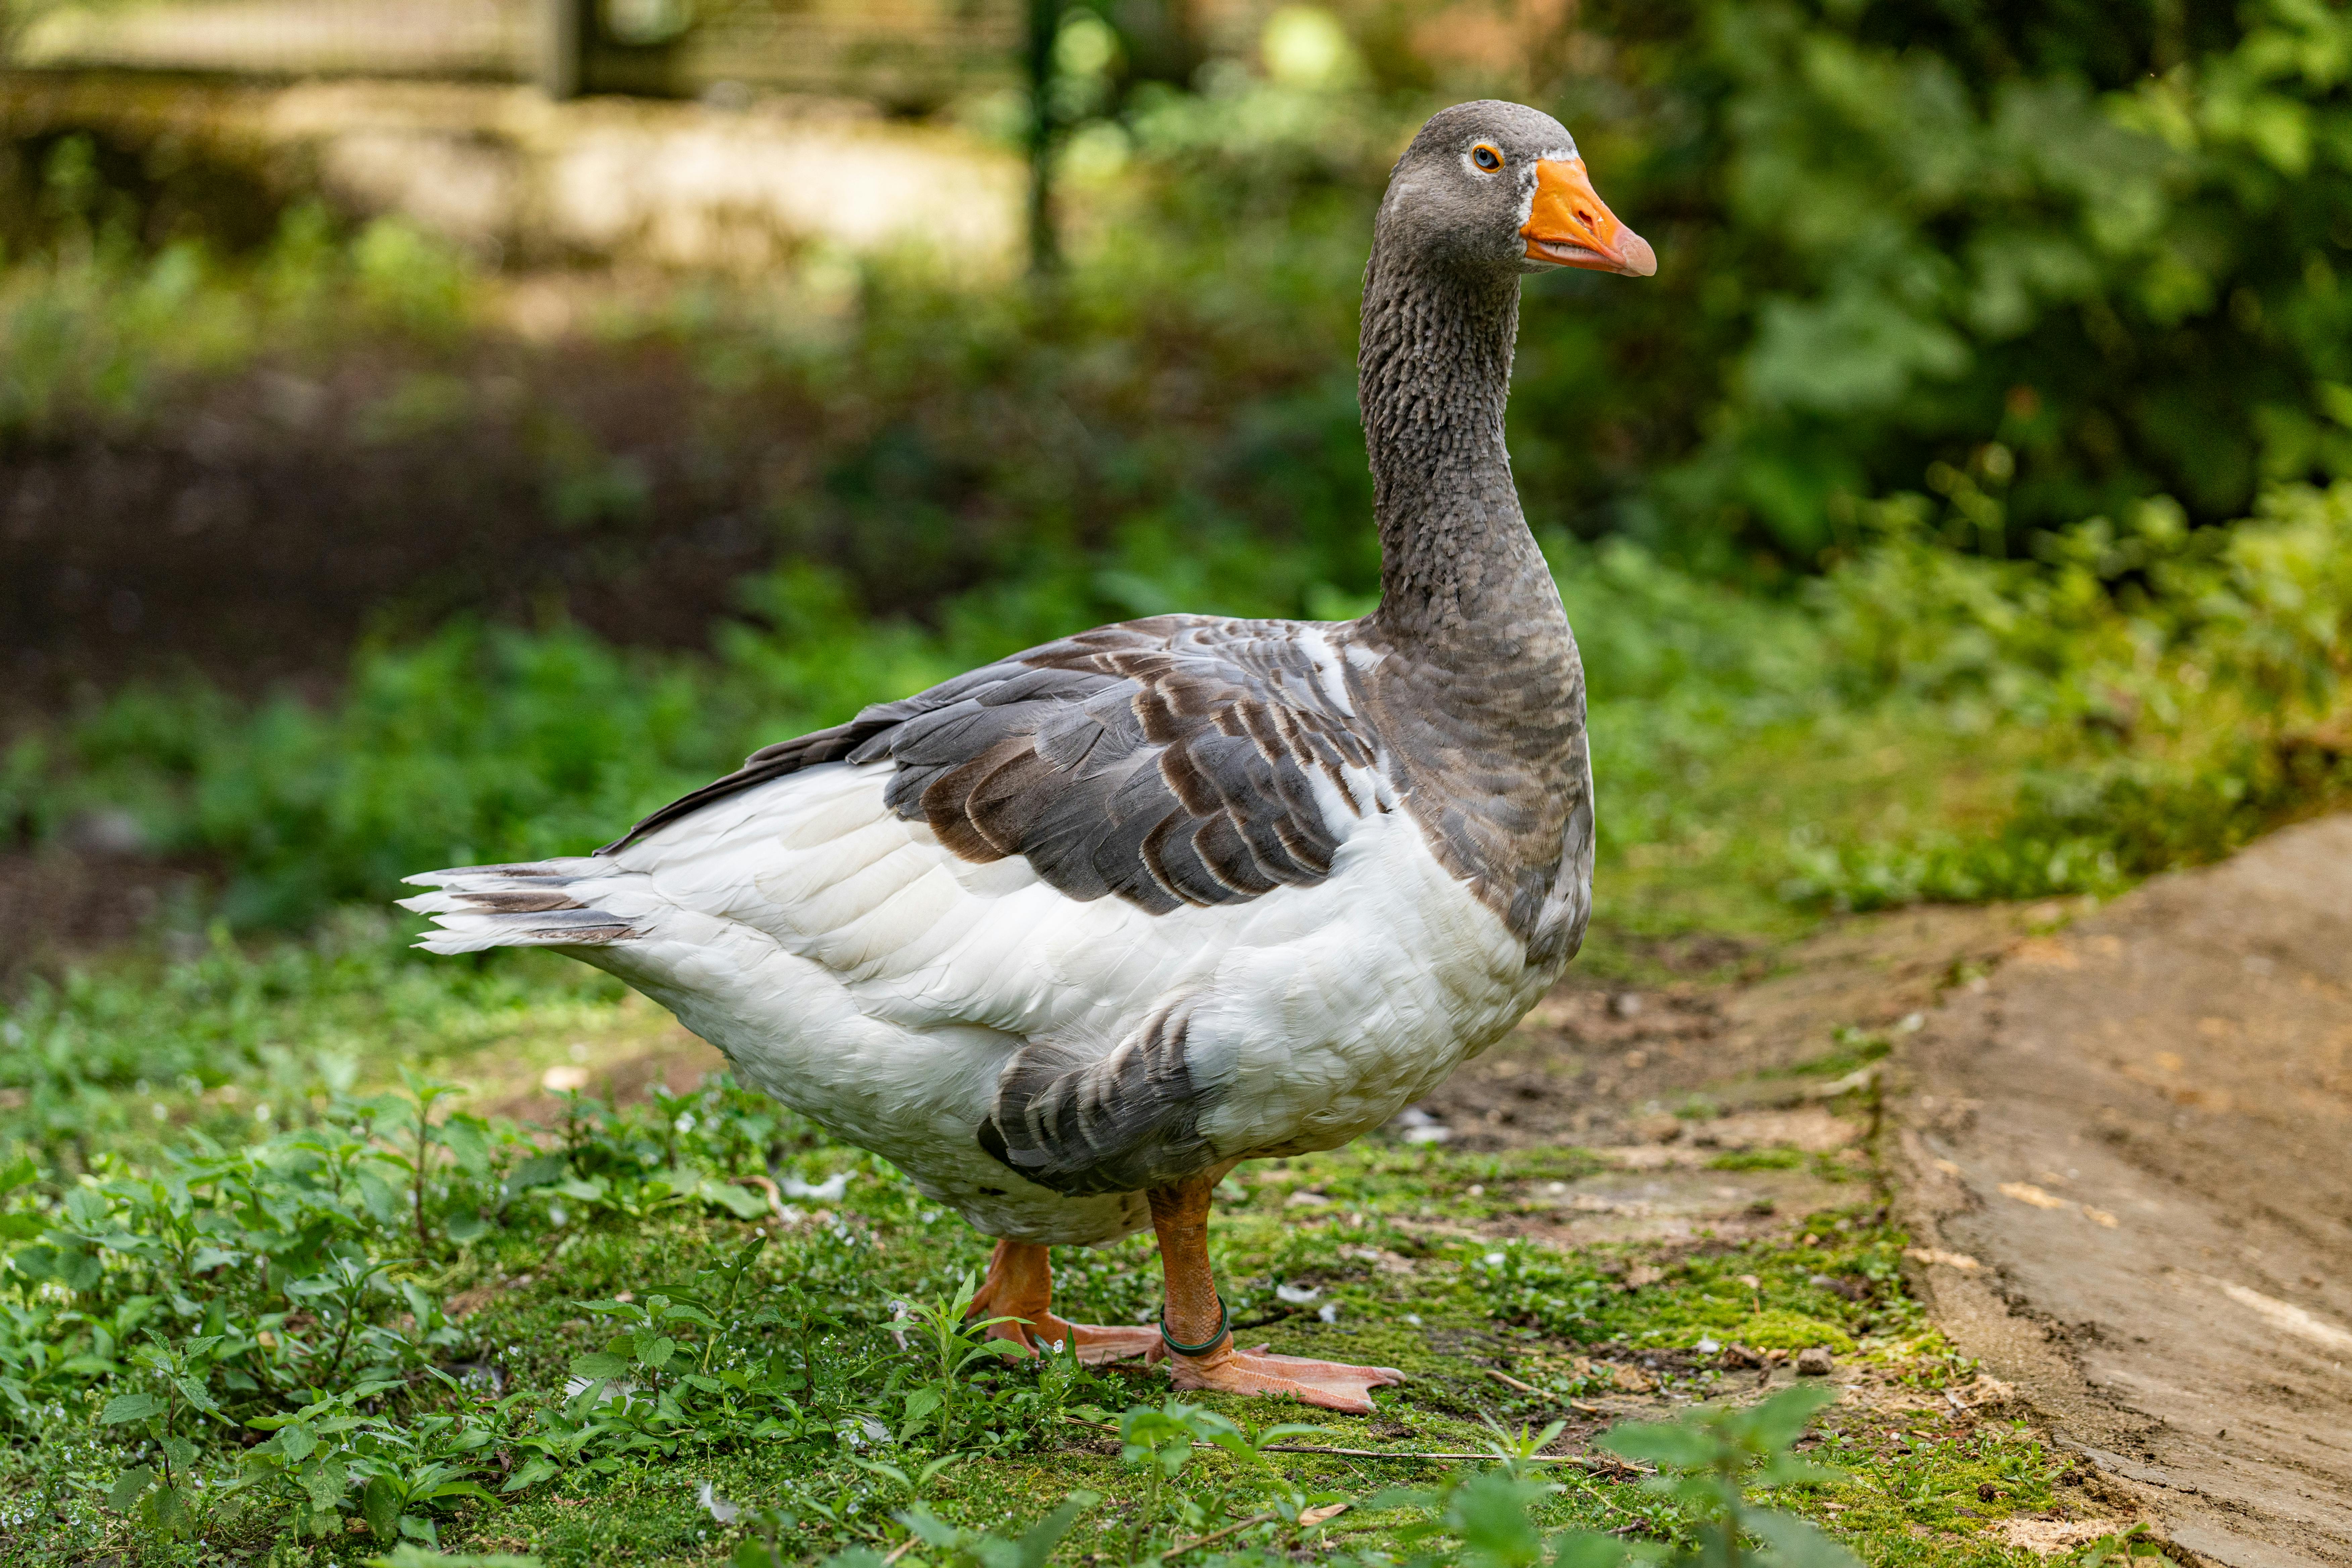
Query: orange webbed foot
x=1331, y=1385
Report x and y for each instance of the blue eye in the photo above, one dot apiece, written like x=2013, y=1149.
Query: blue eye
x=1487, y=157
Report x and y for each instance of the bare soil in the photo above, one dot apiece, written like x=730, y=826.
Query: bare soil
x=2126, y=1157
x=255, y=527
x=1719, y=1059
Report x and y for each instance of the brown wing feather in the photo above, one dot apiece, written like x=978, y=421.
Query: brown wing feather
x=1167, y=762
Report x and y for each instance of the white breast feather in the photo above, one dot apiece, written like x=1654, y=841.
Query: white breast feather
x=856, y=969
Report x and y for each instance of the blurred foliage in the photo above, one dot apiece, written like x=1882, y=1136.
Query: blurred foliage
x=2169, y=692
x=2079, y=256
x=1957, y=515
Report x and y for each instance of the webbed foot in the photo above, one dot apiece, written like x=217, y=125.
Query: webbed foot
x=1333, y=1385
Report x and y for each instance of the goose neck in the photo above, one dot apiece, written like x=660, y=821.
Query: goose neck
x=1459, y=568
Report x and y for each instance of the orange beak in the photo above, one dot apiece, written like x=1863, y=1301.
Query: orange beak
x=1571, y=226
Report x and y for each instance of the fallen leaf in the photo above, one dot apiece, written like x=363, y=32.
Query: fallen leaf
x=1309, y=1518
x=2048, y=1537
x=2289, y=1316
x=1632, y=1380
x=2027, y=1193
x=1959, y=1260
x=563, y=1080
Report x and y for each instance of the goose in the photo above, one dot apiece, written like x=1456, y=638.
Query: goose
x=1067, y=937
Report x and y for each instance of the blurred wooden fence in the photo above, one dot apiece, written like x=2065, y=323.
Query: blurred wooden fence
x=909, y=54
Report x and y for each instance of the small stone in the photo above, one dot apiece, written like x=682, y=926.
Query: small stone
x=1657, y=1129
x=1737, y=1357
x=1814, y=1360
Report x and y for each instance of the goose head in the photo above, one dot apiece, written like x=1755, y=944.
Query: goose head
x=1500, y=186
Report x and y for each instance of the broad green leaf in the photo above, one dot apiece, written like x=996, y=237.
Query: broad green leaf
x=1795, y=1543
x=467, y=1138
x=1588, y=1548
x=921, y=1521
x=1036, y=1544
x=382, y=1202
x=380, y=1506
x=325, y=1482
x=740, y=1202
x=598, y=1365
x=1676, y=1446
x=1781, y=1419
x=165, y=1511
x=536, y=1172
x=131, y=1407
x=656, y=1355
x=465, y=1226
x=530, y=1474
x=127, y=1487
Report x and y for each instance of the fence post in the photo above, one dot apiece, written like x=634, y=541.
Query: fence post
x=564, y=29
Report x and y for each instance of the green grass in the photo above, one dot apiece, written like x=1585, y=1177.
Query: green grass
x=557, y=1244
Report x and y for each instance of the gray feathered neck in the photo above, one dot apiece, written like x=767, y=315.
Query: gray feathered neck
x=1462, y=583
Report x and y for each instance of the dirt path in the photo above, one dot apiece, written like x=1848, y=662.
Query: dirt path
x=2127, y=1158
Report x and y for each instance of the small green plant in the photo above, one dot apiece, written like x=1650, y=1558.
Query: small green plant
x=1707, y=1461
x=951, y=1341
x=176, y=1397
x=968, y=1548
x=1711, y=1459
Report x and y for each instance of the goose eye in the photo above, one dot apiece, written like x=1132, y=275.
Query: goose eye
x=1487, y=157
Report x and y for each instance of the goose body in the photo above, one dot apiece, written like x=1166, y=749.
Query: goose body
x=906, y=996
x=1066, y=937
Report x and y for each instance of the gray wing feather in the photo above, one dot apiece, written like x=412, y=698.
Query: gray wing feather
x=1167, y=762
x=1083, y=1121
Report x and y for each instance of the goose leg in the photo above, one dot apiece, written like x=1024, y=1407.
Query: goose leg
x=1019, y=1285
x=1180, y=1216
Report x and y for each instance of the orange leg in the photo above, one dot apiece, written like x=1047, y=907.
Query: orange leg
x=1020, y=1286
x=1180, y=1216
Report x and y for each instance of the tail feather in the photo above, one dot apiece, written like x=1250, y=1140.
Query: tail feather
x=540, y=903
